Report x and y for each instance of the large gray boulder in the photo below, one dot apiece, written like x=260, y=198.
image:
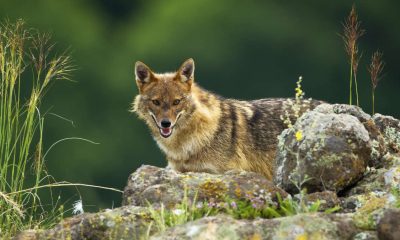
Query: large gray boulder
x=325, y=150
x=153, y=185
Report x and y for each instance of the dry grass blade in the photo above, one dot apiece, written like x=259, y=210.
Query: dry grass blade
x=39, y=52
x=352, y=31
x=376, y=68
x=14, y=205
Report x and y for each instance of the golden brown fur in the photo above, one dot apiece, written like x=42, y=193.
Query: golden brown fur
x=209, y=133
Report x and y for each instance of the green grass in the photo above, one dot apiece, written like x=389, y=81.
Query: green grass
x=27, y=69
x=256, y=205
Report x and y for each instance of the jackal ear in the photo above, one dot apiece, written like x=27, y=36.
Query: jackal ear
x=142, y=72
x=186, y=71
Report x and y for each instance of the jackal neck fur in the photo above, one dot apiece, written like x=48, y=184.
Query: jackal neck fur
x=207, y=133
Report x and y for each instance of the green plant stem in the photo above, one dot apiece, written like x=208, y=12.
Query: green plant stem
x=63, y=184
x=373, y=101
x=356, y=86
x=351, y=81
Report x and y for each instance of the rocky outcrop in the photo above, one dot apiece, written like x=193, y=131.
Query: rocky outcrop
x=153, y=185
x=121, y=223
x=342, y=156
x=325, y=150
x=302, y=226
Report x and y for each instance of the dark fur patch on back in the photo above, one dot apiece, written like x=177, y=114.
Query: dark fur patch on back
x=254, y=124
x=226, y=130
x=233, y=118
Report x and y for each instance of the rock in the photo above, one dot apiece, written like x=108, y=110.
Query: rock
x=390, y=128
x=310, y=226
x=327, y=199
x=377, y=140
x=323, y=151
x=378, y=145
x=392, y=177
x=383, y=122
x=389, y=225
x=153, y=185
x=367, y=235
x=344, y=109
x=369, y=209
x=378, y=180
x=120, y=223
x=373, y=181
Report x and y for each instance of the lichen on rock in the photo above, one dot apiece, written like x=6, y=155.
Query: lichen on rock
x=169, y=187
x=303, y=226
x=332, y=154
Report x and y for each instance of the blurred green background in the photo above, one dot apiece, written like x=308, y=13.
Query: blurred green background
x=242, y=49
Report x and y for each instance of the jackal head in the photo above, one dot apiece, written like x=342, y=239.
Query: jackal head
x=164, y=99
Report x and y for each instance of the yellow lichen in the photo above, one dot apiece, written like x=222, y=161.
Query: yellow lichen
x=238, y=192
x=255, y=236
x=364, y=217
x=213, y=188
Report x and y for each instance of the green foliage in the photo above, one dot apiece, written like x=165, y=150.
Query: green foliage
x=256, y=205
x=183, y=212
x=22, y=124
x=396, y=195
x=22, y=168
x=285, y=207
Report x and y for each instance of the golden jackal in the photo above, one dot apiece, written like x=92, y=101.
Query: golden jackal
x=203, y=132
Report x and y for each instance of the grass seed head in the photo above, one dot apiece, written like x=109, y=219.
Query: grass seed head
x=376, y=67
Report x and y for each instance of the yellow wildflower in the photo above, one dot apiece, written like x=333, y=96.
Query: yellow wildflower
x=302, y=236
x=299, y=135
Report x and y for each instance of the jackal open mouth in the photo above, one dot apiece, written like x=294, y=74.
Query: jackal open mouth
x=166, y=132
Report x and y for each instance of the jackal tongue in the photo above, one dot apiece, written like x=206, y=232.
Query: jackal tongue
x=166, y=131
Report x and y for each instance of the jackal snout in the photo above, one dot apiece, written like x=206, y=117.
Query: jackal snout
x=165, y=123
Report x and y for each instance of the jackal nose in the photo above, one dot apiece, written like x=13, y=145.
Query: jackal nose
x=165, y=123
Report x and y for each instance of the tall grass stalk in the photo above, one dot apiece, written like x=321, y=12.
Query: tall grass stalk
x=352, y=31
x=21, y=124
x=375, y=69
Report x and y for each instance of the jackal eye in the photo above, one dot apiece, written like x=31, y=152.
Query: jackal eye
x=176, y=101
x=156, y=102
